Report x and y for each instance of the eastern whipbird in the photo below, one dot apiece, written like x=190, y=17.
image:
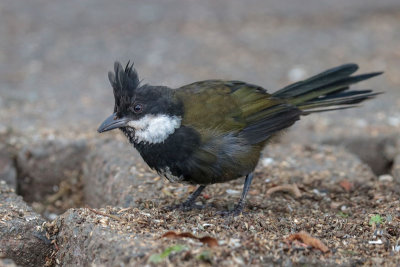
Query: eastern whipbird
x=213, y=131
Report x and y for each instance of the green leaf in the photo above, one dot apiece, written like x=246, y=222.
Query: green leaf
x=157, y=258
x=376, y=220
x=342, y=214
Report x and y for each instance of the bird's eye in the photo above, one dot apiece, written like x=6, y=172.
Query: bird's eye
x=137, y=108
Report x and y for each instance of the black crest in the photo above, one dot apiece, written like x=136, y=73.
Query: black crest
x=124, y=83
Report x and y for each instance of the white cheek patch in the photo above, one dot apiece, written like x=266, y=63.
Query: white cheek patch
x=154, y=129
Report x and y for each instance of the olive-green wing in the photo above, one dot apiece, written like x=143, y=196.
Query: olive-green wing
x=224, y=105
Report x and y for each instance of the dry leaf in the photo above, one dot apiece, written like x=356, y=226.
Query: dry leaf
x=309, y=240
x=291, y=188
x=346, y=185
x=208, y=240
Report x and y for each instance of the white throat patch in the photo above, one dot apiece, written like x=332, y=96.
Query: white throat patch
x=154, y=129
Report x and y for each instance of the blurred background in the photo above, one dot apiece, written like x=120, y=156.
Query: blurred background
x=55, y=55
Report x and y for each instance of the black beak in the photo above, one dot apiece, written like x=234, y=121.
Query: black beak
x=112, y=122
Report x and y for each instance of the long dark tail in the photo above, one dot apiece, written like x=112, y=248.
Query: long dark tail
x=328, y=89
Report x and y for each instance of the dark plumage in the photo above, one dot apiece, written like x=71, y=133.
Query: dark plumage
x=213, y=131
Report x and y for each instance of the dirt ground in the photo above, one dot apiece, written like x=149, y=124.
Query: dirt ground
x=358, y=222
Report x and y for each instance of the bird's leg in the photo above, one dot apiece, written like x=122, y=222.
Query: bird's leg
x=240, y=205
x=189, y=203
x=192, y=198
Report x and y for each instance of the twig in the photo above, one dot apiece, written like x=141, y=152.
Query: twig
x=104, y=214
x=308, y=240
x=291, y=188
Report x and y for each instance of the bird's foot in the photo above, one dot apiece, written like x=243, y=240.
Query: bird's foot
x=185, y=206
x=235, y=212
x=190, y=203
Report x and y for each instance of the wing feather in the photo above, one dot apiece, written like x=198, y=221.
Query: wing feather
x=234, y=107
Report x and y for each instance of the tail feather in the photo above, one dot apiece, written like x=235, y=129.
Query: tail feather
x=346, y=94
x=317, y=81
x=348, y=100
x=327, y=89
x=304, y=113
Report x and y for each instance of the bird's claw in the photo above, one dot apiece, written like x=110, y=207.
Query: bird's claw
x=235, y=212
x=185, y=206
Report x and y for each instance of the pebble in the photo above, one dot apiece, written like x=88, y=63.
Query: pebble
x=318, y=193
x=234, y=243
x=232, y=192
x=375, y=242
x=267, y=161
x=385, y=178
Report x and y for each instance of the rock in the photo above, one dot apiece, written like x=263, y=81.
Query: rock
x=8, y=172
x=376, y=151
x=115, y=174
x=85, y=238
x=309, y=163
x=374, y=143
x=45, y=163
x=21, y=236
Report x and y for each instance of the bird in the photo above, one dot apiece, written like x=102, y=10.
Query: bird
x=214, y=131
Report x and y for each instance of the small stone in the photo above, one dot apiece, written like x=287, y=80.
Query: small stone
x=385, y=178
x=375, y=242
x=267, y=161
x=234, y=243
x=232, y=192
x=396, y=248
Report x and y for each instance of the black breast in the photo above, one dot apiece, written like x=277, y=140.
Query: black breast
x=172, y=153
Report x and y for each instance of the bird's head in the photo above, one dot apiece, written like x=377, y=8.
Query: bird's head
x=145, y=113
